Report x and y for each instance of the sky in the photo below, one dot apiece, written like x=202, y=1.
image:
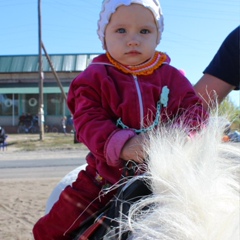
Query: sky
x=193, y=30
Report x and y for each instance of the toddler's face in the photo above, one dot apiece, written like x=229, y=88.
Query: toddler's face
x=131, y=35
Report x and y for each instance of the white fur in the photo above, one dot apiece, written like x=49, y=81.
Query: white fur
x=195, y=187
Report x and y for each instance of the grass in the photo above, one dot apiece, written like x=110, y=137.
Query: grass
x=50, y=142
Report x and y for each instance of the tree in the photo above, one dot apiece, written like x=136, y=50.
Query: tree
x=231, y=111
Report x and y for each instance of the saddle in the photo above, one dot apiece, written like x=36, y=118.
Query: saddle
x=105, y=226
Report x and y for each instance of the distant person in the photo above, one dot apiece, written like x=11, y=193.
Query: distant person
x=21, y=119
x=223, y=73
x=64, y=123
x=35, y=120
x=28, y=118
x=3, y=136
x=121, y=95
x=70, y=123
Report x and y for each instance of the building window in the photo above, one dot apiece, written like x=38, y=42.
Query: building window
x=54, y=105
x=30, y=103
x=8, y=104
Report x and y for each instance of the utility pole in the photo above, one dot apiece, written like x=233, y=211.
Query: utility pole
x=54, y=73
x=40, y=68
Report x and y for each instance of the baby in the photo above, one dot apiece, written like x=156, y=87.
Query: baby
x=123, y=94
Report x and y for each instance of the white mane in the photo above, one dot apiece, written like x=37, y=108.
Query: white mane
x=195, y=186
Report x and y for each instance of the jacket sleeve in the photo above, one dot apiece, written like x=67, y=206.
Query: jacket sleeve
x=185, y=107
x=95, y=124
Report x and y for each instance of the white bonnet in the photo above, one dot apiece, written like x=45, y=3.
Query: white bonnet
x=110, y=6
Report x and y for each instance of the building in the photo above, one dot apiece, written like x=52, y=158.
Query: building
x=19, y=86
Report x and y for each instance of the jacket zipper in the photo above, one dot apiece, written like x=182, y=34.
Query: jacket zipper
x=139, y=99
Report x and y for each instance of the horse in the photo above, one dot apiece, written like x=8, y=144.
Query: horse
x=194, y=185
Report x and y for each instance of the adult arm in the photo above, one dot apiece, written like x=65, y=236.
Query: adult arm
x=222, y=75
x=212, y=90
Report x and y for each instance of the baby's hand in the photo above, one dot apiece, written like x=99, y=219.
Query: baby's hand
x=134, y=150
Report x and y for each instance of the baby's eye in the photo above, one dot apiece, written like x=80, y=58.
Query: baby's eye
x=121, y=30
x=144, y=31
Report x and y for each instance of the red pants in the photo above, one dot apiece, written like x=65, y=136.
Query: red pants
x=72, y=208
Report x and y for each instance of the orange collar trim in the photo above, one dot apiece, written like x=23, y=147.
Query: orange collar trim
x=142, y=69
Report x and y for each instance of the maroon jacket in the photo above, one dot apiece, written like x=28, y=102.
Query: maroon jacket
x=102, y=94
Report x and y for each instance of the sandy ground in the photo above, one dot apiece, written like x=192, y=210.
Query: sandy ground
x=23, y=200
x=22, y=203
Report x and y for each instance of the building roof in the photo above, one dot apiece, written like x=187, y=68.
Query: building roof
x=60, y=62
